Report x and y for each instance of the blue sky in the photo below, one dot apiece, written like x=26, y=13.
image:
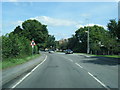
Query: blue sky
x=62, y=18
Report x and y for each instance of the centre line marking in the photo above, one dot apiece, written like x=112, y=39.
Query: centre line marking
x=29, y=73
x=70, y=60
x=78, y=65
x=99, y=81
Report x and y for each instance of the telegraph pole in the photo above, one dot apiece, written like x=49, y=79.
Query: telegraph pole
x=88, y=44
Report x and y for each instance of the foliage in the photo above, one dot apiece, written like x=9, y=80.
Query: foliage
x=114, y=28
x=33, y=29
x=17, y=43
x=50, y=43
x=13, y=46
x=101, y=41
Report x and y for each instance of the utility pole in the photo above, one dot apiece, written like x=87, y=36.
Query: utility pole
x=88, y=46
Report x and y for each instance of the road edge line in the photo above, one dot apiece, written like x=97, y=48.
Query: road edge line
x=29, y=73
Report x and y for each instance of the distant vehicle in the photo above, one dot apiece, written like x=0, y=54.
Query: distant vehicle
x=68, y=51
x=51, y=51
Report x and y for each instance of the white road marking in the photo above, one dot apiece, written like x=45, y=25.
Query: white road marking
x=29, y=73
x=99, y=81
x=70, y=60
x=78, y=65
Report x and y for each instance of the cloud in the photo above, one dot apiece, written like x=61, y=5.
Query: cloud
x=97, y=25
x=17, y=23
x=54, y=21
x=13, y=0
x=61, y=0
x=60, y=36
x=79, y=26
x=85, y=15
x=91, y=24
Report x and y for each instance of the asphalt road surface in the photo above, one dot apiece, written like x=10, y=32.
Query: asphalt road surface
x=71, y=71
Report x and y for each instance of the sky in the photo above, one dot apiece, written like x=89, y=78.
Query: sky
x=62, y=18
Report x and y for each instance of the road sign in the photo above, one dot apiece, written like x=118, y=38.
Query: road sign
x=33, y=43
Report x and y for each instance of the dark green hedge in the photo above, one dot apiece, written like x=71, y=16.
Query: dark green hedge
x=14, y=46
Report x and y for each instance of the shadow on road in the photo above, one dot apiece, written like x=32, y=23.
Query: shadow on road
x=102, y=60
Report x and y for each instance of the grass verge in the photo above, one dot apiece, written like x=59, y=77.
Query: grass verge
x=112, y=56
x=16, y=61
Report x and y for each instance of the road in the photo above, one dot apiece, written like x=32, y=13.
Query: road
x=70, y=71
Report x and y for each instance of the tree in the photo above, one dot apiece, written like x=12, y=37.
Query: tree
x=113, y=28
x=14, y=46
x=18, y=31
x=72, y=43
x=51, y=42
x=33, y=29
x=118, y=30
x=81, y=36
x=100, y=41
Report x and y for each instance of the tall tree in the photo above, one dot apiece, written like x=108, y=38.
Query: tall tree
x=33, y=29
x=17, y=30
x=113, y=28
x=118, y=30
x=51, y=42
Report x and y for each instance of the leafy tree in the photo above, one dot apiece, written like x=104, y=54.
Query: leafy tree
x=113, y=28
x=18, y=31
x=118, y=30
x=101, y=41
x=33, y=29
x=14, y=46
x=72, y=43
x=51, y=42
x=6, y=47
x=81, y=37
x=57, y=45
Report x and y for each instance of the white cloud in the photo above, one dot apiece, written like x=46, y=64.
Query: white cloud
x=91, y=24
x=61, y=0
x=54, y=21
x=57, y=22
x=13, y=0
x=85, y=15
x=60, y=36
x=17, y=23
x=79, y=26
x=97, y=25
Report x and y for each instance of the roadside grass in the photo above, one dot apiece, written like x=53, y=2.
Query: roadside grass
x=16, y=61
x=112, y=56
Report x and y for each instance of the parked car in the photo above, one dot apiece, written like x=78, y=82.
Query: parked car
x=51, y=51
x=68, y=51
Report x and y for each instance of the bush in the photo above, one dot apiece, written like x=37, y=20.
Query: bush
x=14, y=46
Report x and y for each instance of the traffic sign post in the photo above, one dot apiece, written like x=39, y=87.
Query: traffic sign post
x=32, y=44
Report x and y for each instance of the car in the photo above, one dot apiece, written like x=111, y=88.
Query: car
x=51, y=51
x=68, y=51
